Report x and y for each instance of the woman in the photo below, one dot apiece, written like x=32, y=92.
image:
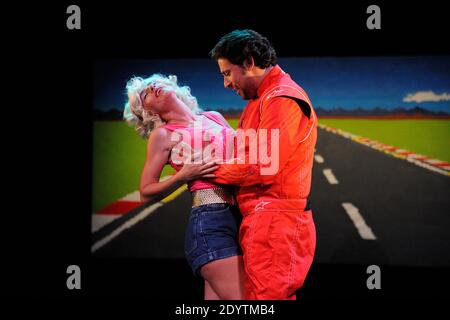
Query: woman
x=169, y=117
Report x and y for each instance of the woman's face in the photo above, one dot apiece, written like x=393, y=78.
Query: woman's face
x=154, y=98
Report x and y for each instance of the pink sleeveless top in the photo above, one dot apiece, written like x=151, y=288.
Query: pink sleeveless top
x=205, y=137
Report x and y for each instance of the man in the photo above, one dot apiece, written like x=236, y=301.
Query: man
x=277, y=233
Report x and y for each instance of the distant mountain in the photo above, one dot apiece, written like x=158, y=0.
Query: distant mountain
x=416, y=112
x=230, y=113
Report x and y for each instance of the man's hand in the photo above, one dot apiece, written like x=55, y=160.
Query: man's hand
x=192, y=171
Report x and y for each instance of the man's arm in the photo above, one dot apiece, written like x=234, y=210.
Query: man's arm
x=279, y=113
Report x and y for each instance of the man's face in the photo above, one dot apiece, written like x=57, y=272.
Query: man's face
x=237, y=78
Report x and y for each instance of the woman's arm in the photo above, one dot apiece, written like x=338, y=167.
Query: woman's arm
x=158, y=149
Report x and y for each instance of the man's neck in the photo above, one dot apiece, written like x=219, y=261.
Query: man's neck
x=264, y=75
x=260, y=78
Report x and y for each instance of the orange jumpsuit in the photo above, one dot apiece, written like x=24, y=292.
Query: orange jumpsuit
x=277, y=233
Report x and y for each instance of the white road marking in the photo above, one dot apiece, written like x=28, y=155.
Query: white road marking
x=416, y=155
x=330, y=176
x=128, y=224
x=364, y=230
x=319, y=158
x=433, y=161
x=417, y=159
x=134, y=196
x=100, y=220
x=428, y=166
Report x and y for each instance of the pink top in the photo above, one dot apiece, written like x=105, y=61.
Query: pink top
x=210, y=136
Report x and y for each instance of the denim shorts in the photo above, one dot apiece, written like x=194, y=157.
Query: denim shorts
x=212, y=233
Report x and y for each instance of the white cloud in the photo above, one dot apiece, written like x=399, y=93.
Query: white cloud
x=422, y=96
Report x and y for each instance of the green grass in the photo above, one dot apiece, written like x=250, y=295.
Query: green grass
x=233, y=122
x=427, y=137
x=119, y=156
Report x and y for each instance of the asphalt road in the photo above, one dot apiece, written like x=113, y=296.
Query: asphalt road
x=396, y=216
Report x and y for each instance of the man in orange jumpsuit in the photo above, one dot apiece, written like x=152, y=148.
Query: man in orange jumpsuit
x=277, y=233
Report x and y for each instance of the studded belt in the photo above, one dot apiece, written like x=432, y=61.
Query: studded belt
x=208, y=196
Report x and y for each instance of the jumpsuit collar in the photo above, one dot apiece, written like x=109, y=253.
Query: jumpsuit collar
x=272, y=76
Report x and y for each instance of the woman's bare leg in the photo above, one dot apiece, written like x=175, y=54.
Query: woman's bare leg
x=210, y=294
x=225, y=277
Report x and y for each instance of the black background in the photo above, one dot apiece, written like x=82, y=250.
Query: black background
x=48, y=125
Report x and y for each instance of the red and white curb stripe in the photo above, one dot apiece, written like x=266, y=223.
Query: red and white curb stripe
x=435, y=165
x=128, y=224
x=117, y=209
x=136, y=219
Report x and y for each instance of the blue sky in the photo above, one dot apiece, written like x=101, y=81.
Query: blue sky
x=346, y=82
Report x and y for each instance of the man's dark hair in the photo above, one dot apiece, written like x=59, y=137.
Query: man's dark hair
x=239, y=45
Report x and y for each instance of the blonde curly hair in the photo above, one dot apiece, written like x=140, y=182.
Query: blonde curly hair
x=134, y=112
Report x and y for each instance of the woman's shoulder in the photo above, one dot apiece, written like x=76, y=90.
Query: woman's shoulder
x=159, y=137
x=212, y=113
x=216, y=116
x=160, y=132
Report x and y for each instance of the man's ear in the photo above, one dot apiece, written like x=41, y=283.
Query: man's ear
x=249, y=64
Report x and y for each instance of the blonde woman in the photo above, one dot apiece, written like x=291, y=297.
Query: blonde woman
x=169, y=117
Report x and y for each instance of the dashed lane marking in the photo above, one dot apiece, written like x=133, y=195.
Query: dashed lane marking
x=360, y=224
x=330, y=176
x=318, y=158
